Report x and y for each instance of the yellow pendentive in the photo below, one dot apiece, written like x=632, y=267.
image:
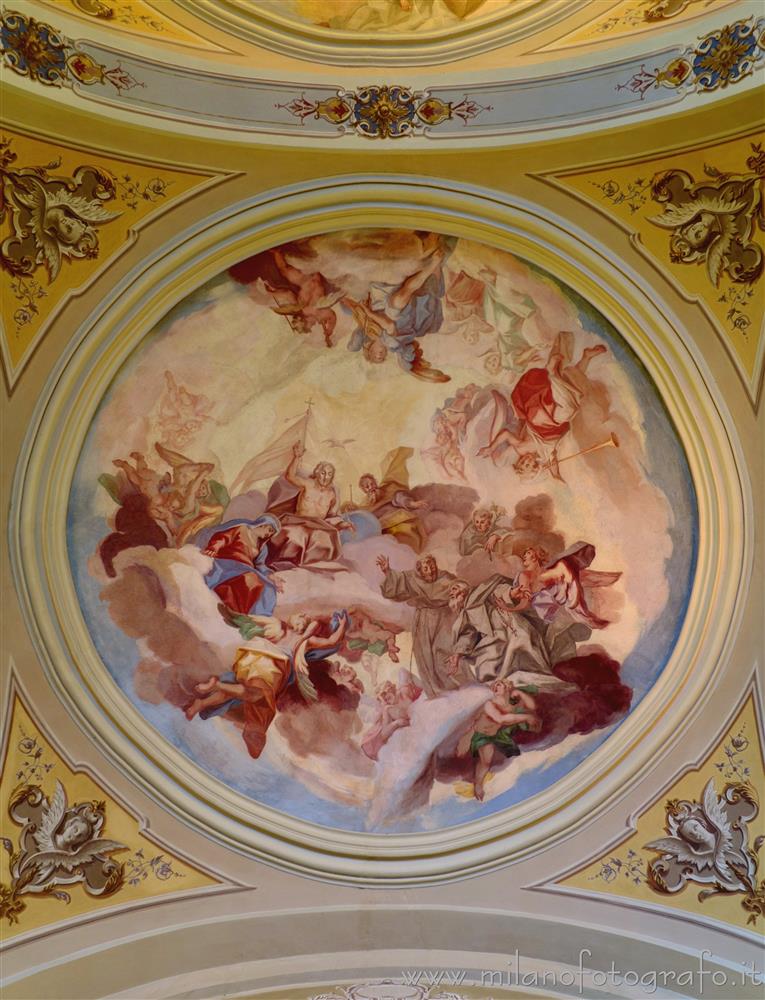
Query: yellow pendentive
x=627, y=192
x=622, y=871
x=79, y=232
x=148, y=870
x=633, y=16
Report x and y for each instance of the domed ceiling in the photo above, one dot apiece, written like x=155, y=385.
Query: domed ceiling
x=419, y=32
x=385, y=383
x=278, y=561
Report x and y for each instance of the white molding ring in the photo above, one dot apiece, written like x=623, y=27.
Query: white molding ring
x=289, y=36
x=77, y=385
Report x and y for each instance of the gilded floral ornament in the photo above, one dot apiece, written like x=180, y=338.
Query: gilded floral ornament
x=639, y=13
x=384, y=112
x=708, y=844
x=95, y=8
x=728, y=55
x=663, y=10
x=720, y=58
x=33, y=49
x=93, y=203
x=62, y=845
x=58, y=845
x=41, y=53
x=683, y=839
x=117, y=12
x=53, y=218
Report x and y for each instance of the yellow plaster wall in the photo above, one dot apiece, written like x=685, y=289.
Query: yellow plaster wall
x=150, y=869
x=623, y=191
x=737, y=757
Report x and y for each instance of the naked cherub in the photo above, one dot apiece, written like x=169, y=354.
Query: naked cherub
x=305, y=298
x=509, y=709
x=393, y=713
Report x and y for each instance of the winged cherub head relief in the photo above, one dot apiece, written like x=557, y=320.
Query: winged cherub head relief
x=54, y=217
x=708, y=844
x=713, y=221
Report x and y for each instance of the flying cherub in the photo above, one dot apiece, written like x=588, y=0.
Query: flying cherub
x=61, y=223
x=305, y=297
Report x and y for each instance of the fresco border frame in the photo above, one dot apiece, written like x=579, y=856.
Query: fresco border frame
x=288, y=36
x=75, y=387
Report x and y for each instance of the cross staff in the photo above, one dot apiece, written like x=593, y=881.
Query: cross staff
x=308, y=406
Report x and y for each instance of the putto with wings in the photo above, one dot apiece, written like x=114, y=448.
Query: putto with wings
x=714, y=220
x=60, y=845
x=708, y=844
x=52, y=218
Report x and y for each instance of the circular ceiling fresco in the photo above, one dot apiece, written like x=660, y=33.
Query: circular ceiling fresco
x=386, y=31
x=382, y=529
x=405, y=17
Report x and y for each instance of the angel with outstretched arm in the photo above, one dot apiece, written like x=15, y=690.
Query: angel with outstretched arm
x=263, y=669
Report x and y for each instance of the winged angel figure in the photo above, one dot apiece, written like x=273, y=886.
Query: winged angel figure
x=53, y=217
x=61, y=845
x=708, y=844
x=713, y=221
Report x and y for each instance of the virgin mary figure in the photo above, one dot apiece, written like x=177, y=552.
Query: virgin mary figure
x=240, y=575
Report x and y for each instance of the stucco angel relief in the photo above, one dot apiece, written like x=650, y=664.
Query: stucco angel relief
x=714, y=221
x=708, y=843
x=52, y=217
x=59, y=845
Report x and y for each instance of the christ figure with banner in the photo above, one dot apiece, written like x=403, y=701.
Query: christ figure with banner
x=307, y=508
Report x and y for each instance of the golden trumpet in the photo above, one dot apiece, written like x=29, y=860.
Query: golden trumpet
x=611, y=442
